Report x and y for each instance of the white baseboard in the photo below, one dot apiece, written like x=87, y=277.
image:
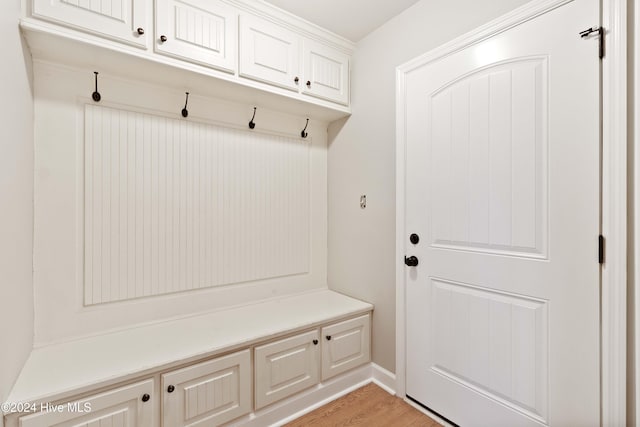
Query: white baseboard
x=304, y=402
x=383, y=378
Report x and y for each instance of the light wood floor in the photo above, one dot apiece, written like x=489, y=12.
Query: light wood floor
x=367, y=406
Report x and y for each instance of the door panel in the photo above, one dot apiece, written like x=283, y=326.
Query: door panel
x=489, y=174
x=502, y=185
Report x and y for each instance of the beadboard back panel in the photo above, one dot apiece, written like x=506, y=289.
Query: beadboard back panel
x=142, y=215
x=172, y=205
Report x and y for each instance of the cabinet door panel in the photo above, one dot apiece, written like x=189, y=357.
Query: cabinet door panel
x=326, y=71
x=269, y=53
x=209, y=393
x=345, y=345
x=285, y=367
x=121, y=407
x=200, y=31
x=114, y=19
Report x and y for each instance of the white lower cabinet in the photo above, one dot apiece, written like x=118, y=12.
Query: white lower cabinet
x=128, y=406
x=217, y=390
x=345, y=345
x=286, y=367
x=209, y=393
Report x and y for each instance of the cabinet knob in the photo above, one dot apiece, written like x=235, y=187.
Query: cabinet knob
x=296, y=80
x=145, y=397
x=315, y=342
x=171, y=389
x=163, y=39
x=328, y=337
x=309, y=84
x=140, y=30
x=414, y=238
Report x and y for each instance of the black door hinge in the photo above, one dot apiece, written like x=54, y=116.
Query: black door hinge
x=600, y=32
x=601, y=249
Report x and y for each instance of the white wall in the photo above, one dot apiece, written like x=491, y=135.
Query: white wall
x=362, y=156
x=633, y=231
x=61, y=94
x=16, y=199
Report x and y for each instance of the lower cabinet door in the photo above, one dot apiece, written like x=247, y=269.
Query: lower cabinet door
x=127, y=406
x=345, y=345
x=209, y=393
x=285, y=367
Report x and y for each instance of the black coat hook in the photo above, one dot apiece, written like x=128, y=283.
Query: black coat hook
x=252, y=124
x=96, y=95
x=304, y=134
x=185, y=112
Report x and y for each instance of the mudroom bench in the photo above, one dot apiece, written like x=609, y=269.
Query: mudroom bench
x=207, y=369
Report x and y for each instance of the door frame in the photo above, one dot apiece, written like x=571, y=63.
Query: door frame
x=613, y=340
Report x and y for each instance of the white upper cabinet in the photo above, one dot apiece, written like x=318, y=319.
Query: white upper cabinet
x=121, y=20
x=273, y=54
x=237, y=42
x=326, y=72
x=200, y=31
x=269, y=53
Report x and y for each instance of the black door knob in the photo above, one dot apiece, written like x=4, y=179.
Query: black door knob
x=163, y=39
x=145, y=397
x=411, y=261
x=171, y=389
x=328, y=337
x=414, y=238
x=315, y=342
x=140, y=30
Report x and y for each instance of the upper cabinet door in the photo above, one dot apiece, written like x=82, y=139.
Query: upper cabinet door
x=200, y=31
x=326, y=72
x=269, y=53
x=121, y=20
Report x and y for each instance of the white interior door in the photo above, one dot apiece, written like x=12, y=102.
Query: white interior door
x=502, y=188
